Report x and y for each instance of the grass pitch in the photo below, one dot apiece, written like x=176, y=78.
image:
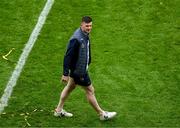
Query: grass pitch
x=135, y=62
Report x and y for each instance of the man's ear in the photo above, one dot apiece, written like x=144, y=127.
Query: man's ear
x=82, y=23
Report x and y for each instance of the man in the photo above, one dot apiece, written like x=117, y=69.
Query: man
x=76, y=61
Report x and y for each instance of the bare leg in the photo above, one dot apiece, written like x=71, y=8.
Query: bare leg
x=92, y=99
x=65, y=93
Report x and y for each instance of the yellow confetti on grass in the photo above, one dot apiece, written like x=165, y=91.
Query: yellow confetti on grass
x=5, y=56
x=25, y=118
x=22, y=114
x=34, y=110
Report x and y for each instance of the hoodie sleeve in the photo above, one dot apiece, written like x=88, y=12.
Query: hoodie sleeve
x=72, y=46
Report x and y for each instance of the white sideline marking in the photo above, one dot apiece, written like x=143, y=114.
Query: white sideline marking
x=27, y=49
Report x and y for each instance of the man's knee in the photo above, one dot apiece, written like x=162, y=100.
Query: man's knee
x=71, y=84
x=90, y=90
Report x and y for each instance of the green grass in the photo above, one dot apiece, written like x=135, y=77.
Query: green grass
x=135, y=63
x=16, y=24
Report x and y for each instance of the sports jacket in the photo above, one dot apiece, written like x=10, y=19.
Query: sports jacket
x=78, y=54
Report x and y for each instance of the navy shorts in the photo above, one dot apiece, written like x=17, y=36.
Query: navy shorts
x=81, y=80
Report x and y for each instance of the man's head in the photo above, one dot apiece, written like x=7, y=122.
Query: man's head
x=86, y=24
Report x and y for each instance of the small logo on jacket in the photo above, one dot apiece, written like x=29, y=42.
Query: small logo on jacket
x=82, y=45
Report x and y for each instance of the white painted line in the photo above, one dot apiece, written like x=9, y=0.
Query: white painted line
x=27, y=49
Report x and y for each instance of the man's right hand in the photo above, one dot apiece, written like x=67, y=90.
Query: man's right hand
x=64, y=79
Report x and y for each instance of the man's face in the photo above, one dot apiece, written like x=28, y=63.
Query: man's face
x=86, y=27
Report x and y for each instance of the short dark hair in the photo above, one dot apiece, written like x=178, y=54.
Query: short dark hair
x=86, y=19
